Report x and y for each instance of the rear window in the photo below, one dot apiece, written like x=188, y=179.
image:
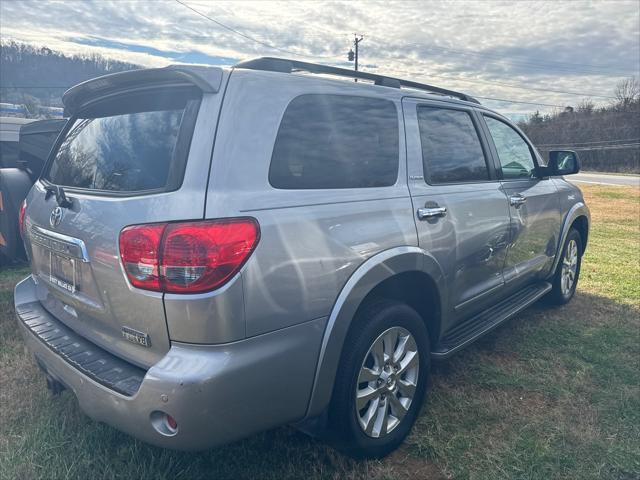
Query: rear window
x=129, y=143
x=336, y=141
x=451, y=148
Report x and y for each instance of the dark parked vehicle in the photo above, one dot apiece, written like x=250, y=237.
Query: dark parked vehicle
x=216, y=252
x=9, y=137
x=24, y=151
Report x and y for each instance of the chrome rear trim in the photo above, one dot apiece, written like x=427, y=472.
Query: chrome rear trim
x=60, y=243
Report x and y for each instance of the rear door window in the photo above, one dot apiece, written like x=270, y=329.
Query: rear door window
x=130, y=143
x=336, y=141
x=451, y=148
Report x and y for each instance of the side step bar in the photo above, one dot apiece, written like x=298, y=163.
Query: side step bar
x=470, y=330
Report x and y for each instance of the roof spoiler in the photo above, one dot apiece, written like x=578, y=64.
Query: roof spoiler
x=207, y=79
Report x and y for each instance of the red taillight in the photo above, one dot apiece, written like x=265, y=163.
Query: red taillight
x=23, y=209
x=140, y=250
x=188, y=257
x=201, y=256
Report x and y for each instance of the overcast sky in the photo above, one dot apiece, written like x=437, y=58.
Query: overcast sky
x=483, y=48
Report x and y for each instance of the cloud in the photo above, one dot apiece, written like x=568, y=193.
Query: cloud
x=477, y=47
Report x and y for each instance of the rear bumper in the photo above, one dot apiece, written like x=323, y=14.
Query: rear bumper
x=216, y=393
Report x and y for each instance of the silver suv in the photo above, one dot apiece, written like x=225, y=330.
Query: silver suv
x=216, y=252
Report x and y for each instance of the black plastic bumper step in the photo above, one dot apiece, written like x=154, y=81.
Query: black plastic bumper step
x=473, y=328
x=93, y=361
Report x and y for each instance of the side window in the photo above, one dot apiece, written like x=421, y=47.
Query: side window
x=514, y=153
x=451, y=148
x=336, y=141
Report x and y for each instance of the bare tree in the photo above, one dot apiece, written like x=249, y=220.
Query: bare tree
x=586, y=106
x=627, y=91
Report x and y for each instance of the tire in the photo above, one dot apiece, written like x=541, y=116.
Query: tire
x=12, y=247
x=568, y=267
x=14, y=185
x=380, y=320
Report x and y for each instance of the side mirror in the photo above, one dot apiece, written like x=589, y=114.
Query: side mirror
x=563, y=162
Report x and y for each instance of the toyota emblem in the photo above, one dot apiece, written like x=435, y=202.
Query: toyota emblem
x=56, y=216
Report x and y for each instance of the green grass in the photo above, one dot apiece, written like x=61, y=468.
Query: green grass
x=612, y=194
x=553, y=394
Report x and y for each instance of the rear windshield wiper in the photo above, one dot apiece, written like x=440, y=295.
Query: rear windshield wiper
x=58, y=191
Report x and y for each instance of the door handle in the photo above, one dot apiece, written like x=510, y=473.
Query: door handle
x=517, y=200
x=430, y=212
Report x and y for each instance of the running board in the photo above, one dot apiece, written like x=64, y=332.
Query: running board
x=475, y=327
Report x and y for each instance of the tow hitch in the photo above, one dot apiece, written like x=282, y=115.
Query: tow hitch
x=55, y=387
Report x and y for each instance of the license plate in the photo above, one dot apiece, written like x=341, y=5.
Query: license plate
x=63, y=272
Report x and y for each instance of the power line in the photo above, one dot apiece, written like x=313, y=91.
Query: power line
x=248, y=37
x=497, y=59
x=625, y=140
x=578, y=148
x=534, y=61
x=540, y=89
x=616, y=147
x=586, y=145
x=271, y=46
x=521, y=102
x=517, y=86
x=589, y=118
x=297, y=54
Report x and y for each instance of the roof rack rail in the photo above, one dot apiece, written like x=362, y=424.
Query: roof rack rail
x=283, y=65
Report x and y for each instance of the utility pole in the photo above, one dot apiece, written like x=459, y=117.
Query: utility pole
x=354, y=56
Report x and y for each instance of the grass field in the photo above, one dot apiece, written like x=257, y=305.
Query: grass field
x=554, y=394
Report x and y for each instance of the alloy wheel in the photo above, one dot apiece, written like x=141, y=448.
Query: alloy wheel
x=387, y=382
x=569, y=267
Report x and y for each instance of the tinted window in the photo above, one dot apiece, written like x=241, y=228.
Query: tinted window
x=127, y=144
x=514, y=153
x=336, y=141
x=34, y=150
x=8, y=154
x=451, y=148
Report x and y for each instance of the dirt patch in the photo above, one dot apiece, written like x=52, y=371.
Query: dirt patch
x=401, y=465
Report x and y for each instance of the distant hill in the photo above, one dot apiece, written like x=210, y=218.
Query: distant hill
x=39, y=76
x=607, y=139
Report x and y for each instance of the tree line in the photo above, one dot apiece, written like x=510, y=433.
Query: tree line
x=607, y=138
x=36, y=76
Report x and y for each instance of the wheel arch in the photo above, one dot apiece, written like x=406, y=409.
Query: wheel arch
x=581, y=224
x=580, y=217
x=387, y=273
x=418, y=290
